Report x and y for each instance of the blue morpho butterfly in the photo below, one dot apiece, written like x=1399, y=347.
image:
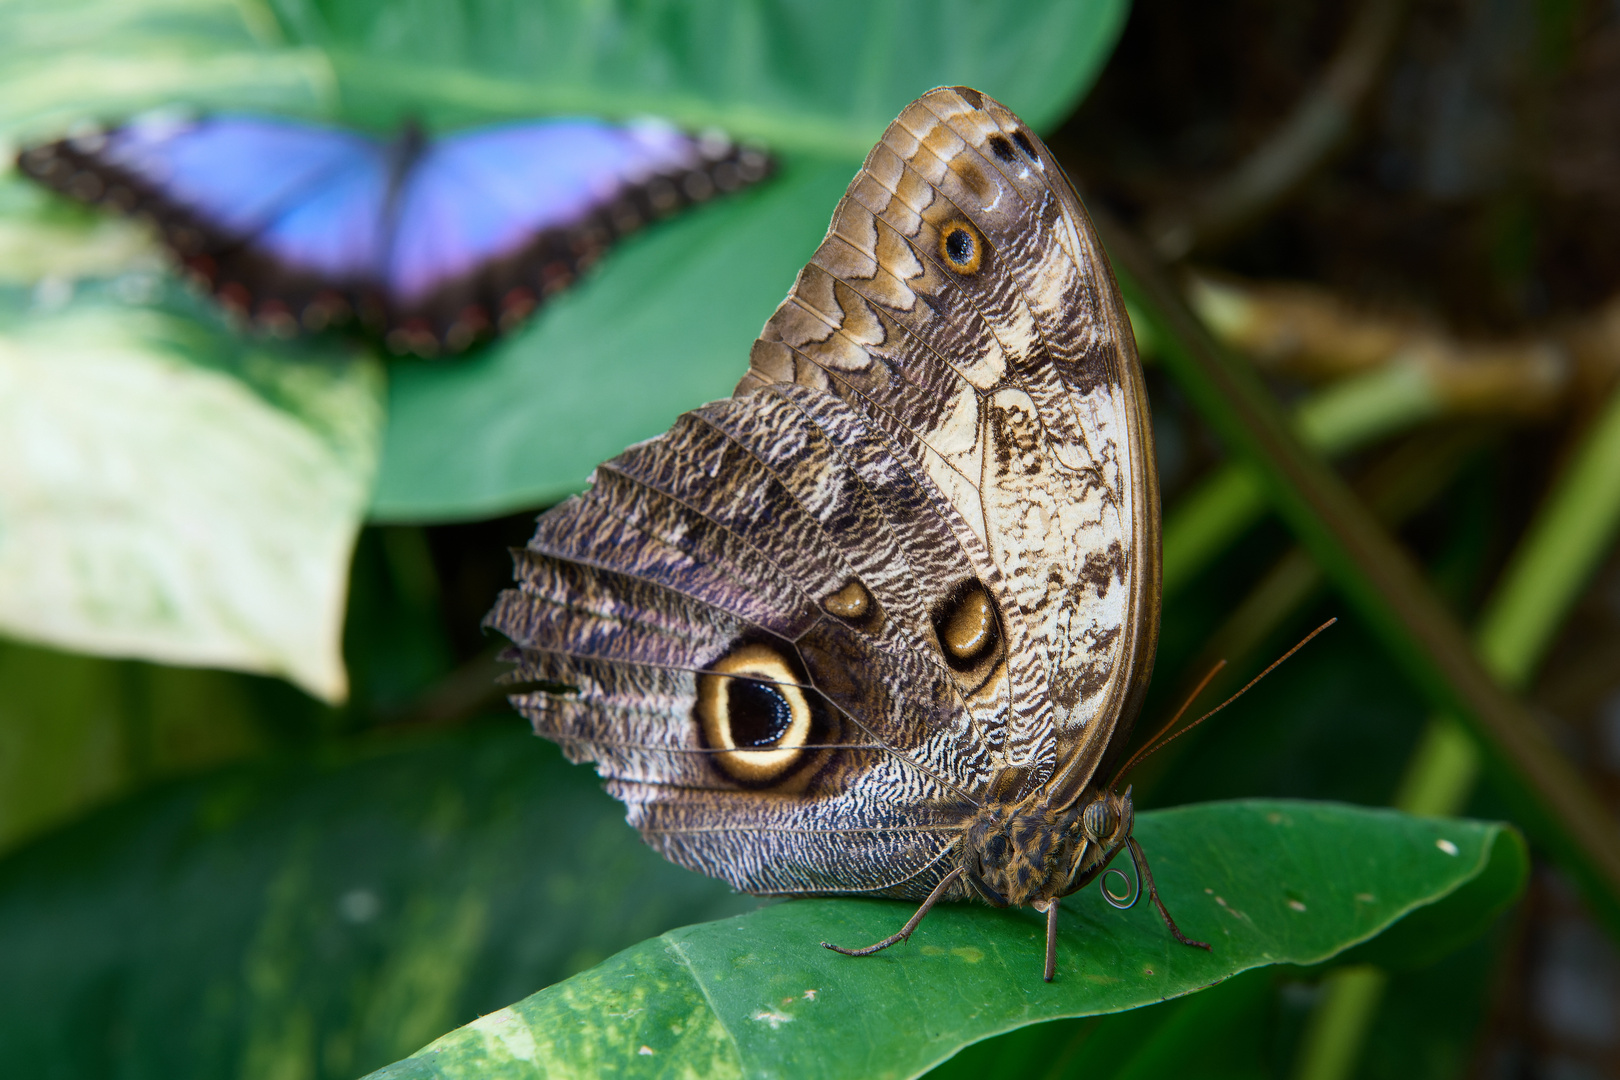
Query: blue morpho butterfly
x=432, y=244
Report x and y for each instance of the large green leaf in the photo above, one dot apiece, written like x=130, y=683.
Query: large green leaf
x=1265, y=882
x=525, y=422
x=819, y=77
x=175, y=492
x=667, y=323
x=320, y=920
x=663, y=326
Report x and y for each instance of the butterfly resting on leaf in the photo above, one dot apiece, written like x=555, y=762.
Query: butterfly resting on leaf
x=433, y=245
x=879, y=623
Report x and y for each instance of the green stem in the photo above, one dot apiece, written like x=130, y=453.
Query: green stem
x=1566, y=543
x=1340, y=1022
x=1382, y=584
x=1345, y=416
x=1568, y=539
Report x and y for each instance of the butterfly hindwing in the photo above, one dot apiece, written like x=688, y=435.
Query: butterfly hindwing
x=904, y=571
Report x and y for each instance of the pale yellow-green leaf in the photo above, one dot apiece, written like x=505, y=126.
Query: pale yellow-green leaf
x=156, y=504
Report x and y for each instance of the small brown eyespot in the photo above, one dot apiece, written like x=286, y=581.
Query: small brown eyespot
x=852, y=602
x=967, y=627
x=962, y=247
x=752, y=712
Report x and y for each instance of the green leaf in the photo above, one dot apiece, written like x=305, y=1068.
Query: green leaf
x=822, y=79
x=320, y=920
x=1549, y=796
x=668, y=321
x=524, y=422
x=175, y=492
x=1264, y=882
x=1217, y=1034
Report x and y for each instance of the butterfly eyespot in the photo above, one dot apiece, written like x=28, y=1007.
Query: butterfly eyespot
x=276, y=319
x=36, y=159
x=89, y=142
x=324, y=310
x=186, y=239
x=968, y=629
x=1026, y=146
x=662, y=195
x=625, y=216
x=462, y=333
x=1002, y=147
x=751, y=710
x=235, y=297
x=697, y=186
x=1099, y=821
x=85, y=186
x=962, y=247
x=752, y=165
x=853, y=603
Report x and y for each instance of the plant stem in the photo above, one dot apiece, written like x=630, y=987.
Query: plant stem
x=1339, y=1024
x=1347, y=415
x=1567, y=541
x=1376, y=576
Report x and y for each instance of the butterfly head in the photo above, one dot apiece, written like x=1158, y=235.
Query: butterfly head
x=1028, y=851
x=1107, y=819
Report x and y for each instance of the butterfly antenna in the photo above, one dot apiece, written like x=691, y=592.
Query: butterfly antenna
x=1147, y=747
x=1161, y=740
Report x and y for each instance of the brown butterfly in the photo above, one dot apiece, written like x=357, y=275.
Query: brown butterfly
x=878, y=623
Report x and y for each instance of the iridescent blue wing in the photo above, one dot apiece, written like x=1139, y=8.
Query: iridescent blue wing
x=275, y=215
x=432, y=244
x=489, y=222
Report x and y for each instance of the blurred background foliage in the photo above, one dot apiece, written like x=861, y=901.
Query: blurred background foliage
x=1405, y=215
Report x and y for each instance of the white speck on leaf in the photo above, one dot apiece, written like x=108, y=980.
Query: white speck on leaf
x=1296, y=905
x=1446, y=846
x=647, y=1051
x=772, y=1017
x=809, y=995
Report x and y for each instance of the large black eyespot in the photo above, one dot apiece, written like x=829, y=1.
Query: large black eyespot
x=760, y=714
x=1026, y=146
x=1003, y=148
x=961, y=246
x=752, y=711
x=968, y=628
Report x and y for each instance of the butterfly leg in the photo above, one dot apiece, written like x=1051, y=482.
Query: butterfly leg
x=1142, y=871
x=1051, y=909
x=911, y=924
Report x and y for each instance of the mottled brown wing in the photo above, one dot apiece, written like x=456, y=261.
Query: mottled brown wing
x=908, y=568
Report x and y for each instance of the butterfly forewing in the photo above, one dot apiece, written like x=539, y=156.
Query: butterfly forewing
x=907, y=570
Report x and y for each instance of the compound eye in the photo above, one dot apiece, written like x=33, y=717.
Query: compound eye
x=752, y=711
x=1099, y=821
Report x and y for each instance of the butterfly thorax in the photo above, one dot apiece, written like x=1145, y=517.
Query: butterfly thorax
x=1018, y=853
